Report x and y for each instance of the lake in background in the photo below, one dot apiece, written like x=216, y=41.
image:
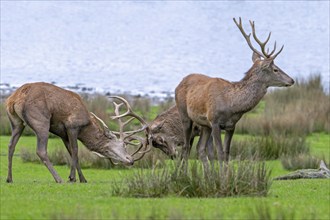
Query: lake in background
x=148, y=47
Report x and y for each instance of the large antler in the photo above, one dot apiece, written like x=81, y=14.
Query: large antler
x=129, y=137
x=262, y=45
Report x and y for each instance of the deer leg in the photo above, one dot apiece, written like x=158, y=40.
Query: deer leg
x=217, y=143
x=17, y=130
x=73, y=135
x=42, y=139
x=81, y=176
x=39, y=122
x=197, y=145
x=191, y=142
x=210, y=149
x=206, y=132
x=187, y=126
x=228, y=138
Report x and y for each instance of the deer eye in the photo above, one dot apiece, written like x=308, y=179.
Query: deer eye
x=275, y=70
x=160, y=140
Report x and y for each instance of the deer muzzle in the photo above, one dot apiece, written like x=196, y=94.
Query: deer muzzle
x=290, y=83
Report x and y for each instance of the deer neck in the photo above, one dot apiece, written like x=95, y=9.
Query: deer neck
x=248, y=93
x=91, y=137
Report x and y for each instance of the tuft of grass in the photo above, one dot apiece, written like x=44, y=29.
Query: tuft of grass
x=300, y=161
x=244, y=178
x=262, y=212
x=269, y=147
x=28, y=156
x=145, y=184
x=299, y=110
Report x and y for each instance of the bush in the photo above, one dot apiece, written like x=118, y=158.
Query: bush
x=237, y=179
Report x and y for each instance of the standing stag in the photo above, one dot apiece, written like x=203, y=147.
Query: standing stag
x=217, y=104
x=47, y=108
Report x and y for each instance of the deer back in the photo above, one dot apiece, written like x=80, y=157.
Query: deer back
x=36, y=101
x=48, y=108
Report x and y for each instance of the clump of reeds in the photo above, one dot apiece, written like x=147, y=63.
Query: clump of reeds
x=300, y=161
x=4, y=125
x=299, y=110
x=28, y=156
x=269, y=147
x=235, y=179
x=57, y=156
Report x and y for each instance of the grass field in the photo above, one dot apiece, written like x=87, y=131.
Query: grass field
x=35, y=195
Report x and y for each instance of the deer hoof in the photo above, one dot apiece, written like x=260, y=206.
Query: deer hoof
x=72, y=180
x=83, y=181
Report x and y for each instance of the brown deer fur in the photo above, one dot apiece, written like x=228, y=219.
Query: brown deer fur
x=47, y=108
x=217, y=104
x=167, y=132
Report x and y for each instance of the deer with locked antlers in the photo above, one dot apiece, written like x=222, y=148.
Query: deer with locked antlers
x=217, y=104
x=47, y=108
x=167, y=133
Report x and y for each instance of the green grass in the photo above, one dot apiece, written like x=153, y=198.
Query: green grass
x=35, y=195
x=320, y=145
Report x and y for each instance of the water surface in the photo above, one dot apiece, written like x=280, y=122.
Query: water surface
x=148, y=47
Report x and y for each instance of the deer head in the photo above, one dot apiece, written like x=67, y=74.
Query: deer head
x=264, y=67
x=164, y=137
x=115, y=148
x=111, y=147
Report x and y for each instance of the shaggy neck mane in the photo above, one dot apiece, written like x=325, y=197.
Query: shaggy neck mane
x=248, y=91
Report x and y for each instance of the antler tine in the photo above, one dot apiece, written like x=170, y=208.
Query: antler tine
x=273, y=57
x=247, y=37
x=271, y=53
x=262, y=44
x=128, y=135
x=142, y=144
x=131, y=133
x=120, y=122
x=123, y=135
x=100, y=120
x=129, y=111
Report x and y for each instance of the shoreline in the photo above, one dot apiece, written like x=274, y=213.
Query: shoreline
x=7, y=89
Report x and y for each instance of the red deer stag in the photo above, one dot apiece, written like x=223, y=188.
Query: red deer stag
x=217, y=104
x=47, y=108
x=166, y=132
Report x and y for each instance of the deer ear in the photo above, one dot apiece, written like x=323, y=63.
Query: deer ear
x=255, y=57
x=267, y=63
x=158, y=126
